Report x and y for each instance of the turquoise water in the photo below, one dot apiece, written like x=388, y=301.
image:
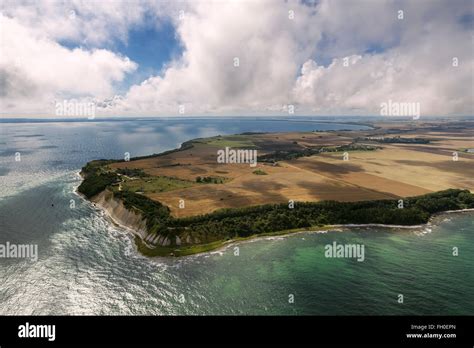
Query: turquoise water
x=87, y=265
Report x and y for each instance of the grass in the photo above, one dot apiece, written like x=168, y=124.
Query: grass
x=259, y=172
x=233, y=141
x=154, y=184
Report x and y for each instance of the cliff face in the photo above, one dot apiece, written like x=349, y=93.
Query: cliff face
x=128, y=218
x=116, y=209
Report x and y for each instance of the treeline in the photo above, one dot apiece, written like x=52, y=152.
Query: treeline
x=271, y=218
x=132, y=172
x=396, y=140
x=96, y=178
x=306, y=152
x=156, y=214
x=288, y=155
x=210, y=179
x=243, y=222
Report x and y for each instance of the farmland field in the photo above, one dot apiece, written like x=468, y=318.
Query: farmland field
x=332, y=172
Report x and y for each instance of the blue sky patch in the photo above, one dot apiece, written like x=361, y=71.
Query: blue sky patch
x=151, y=47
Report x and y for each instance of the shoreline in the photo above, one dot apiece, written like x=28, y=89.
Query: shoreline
x=202, y=249
x=99, y=207
x=321, y=229
x=158, y=232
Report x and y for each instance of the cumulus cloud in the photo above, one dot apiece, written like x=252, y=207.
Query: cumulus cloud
x=251, y=57
x=236, y=58
x=81, y=21
x=403, y=56
x=429, y=65
x=35, y=70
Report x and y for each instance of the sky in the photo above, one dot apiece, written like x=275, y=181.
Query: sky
x=248, y=57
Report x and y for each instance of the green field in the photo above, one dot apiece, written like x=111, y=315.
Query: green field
x=236, y=141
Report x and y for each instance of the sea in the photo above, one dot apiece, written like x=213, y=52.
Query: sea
x=86, y=265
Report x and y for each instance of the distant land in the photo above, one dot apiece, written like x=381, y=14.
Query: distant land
x=188, y=200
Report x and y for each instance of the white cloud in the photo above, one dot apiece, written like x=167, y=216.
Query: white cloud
x=411, y=59
x=81, y=21
x=281, y=60
x=34, y=70
x=270, y=48
x=418, y=69
x=370, y=80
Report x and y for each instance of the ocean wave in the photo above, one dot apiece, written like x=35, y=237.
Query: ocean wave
x=424, y=231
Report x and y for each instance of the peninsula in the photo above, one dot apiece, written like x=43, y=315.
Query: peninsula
x=208, y=192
